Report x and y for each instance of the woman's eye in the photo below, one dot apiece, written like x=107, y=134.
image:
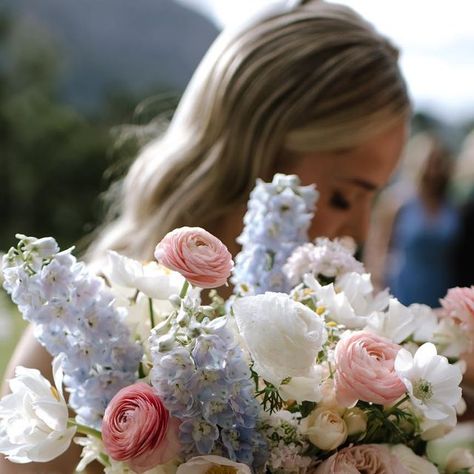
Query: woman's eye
x=338, y=201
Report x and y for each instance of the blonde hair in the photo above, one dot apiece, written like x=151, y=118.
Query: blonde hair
x=317, y=77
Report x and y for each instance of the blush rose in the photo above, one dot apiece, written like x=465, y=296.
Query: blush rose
x=195, y=253
x=365, y=458
x=365, y=370
x=458, y=304
x=138, y=430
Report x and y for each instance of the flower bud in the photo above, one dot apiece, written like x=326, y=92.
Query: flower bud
x=458, y=460
x=356, y=421
x=175, y=300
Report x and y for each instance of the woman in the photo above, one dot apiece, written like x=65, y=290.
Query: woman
x=312, y=90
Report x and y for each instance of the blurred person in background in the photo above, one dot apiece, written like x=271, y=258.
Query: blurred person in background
x=464, y=179
x=418, y=228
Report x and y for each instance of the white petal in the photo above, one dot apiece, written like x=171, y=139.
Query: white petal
x=425, y=354
x=52, y=412
x=282, y=336
x=403, y=362
x=51, y=447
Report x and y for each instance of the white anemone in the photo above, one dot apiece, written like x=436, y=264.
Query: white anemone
x=432, y=382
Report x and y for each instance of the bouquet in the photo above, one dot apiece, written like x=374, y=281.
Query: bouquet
x=305, y=369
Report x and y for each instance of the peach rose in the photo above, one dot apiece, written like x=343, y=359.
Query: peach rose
x=365, y=370
x=195, y=253
x=458, y=304
x=137, y=429
x=365, y=458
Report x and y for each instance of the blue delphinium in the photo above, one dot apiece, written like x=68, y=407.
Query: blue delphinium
x=72, y=313
x=277, y=221
x=203, y=379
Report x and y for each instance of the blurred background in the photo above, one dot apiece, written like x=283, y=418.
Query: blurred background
x=82, y=83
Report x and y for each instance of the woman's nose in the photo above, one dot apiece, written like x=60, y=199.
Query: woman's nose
x=357, y=226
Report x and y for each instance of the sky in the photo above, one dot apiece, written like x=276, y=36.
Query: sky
x=436, y=39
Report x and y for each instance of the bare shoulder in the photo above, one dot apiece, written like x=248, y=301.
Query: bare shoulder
x=28, y=353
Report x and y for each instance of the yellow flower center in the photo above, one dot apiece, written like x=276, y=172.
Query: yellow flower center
x=221, y=470
x=55, y=393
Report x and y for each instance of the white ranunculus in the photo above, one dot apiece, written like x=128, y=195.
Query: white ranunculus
x=351, y=301
x=283, y=338
x=431, y=381
x=205, y=464
x=153, y=279
x=34, y=417
x=414, y=464
x=396, y=324
x=324, y=428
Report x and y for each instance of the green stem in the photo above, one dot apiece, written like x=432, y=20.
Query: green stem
x=104, y=460
x=150, y=307
x=84, y=429
x=184, y=289
x=393, y=408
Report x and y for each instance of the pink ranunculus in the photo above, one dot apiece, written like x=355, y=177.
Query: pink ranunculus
x=138, y=430
x=364, y=458
x=195, y=253
x=365, y=370
x=458, y=304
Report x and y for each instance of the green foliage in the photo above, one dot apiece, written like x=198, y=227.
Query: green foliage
x=53, y=159
x=393, y=426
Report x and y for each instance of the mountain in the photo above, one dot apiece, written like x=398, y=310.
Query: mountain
x=129, y=45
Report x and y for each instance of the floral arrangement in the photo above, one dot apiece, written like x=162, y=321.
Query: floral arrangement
x=325, y=376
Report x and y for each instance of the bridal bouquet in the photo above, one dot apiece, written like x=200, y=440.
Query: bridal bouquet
x=306, y=369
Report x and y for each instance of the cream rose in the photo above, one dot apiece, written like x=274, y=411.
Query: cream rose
x=324, y=428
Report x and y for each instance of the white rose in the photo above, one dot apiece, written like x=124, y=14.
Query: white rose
x=413, y=463
x=324, y=428
x=283, y=338
x=459, y=459
x=34, y=417
x=207, y=464
x=152, y=279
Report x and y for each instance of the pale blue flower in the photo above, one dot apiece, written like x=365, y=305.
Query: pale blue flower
x=277, y=221
x=73, y=314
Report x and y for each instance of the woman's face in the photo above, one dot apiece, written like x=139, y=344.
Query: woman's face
x=348, y=181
